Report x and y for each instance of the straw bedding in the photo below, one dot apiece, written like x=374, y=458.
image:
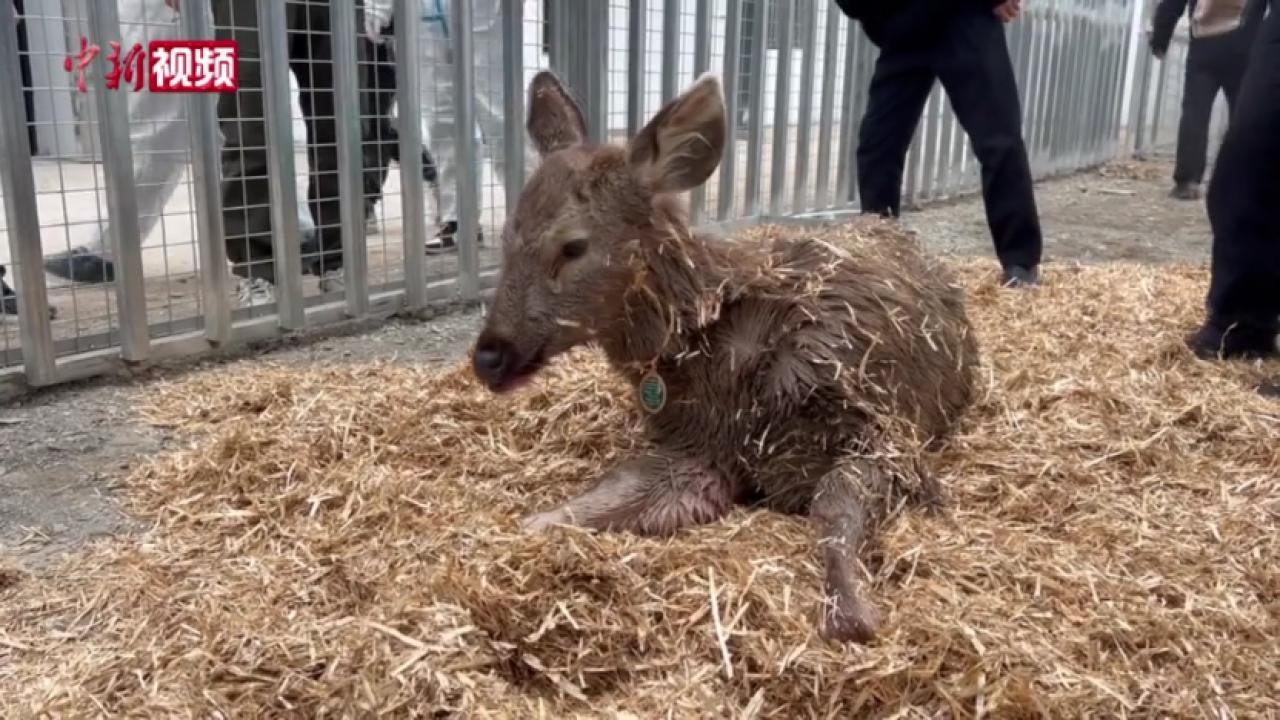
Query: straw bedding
x=341, y=542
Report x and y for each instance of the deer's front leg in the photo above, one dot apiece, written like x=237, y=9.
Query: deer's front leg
x=840, y=508
x=651, y=494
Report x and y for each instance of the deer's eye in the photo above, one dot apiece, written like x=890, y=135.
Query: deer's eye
x=574, y=249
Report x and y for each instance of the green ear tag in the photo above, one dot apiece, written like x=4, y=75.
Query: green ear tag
x=653, y=393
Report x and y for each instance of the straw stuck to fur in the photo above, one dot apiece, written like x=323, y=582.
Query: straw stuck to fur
x=341, y=542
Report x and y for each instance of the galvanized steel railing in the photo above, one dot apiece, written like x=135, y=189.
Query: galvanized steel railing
x=795, y=73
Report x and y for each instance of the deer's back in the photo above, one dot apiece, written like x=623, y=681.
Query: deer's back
x=826, y=349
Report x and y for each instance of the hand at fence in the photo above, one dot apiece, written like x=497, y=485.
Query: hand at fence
x=175, y=4
x=377, y=15
x=1008, y=10
x=1157, y=49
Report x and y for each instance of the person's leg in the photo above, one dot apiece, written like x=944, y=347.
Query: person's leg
x=972, y=60
x=158, y=137
x=246, y=211
x=1200, y=89
x=487, y=48
x=311, y=57
x=488, y=88
x=1230, y=75
x=379, y=79
x=899, y=89
x=437, y=112
x=1244, y=289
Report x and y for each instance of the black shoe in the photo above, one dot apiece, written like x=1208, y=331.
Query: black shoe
x=1016, y=276
x=1213, y=341
x=1185, y=191
x=81, y=265
x=444, y=241
x=9, y=299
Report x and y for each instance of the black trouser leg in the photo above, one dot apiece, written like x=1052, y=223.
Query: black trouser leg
x=246, y=190
x=972, y=60
x=381, y=142
x=1244, y=199
x=899, y=89
x=311, y=58
x=1200, y=89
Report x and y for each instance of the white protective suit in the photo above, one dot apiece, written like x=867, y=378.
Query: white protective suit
x=437, y=91
x=160, y=141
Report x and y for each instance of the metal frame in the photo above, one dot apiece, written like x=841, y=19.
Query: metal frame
x=273, y=33
x=22, y=216
x=408, y=79
x=202, y=112
x=122, y=199
x=347, y=98
x=1086, y=93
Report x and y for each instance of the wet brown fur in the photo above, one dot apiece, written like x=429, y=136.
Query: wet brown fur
x=801, y=376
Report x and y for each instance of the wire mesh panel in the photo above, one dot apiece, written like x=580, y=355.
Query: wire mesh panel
x=371, y=154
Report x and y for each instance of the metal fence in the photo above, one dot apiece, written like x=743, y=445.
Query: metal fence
x=1157, y=102
x=307, y=203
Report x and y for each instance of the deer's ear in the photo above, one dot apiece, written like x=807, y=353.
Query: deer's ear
x=681, y=146
x=555, y=121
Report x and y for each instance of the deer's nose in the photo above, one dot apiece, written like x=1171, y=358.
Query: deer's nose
x=492, y=358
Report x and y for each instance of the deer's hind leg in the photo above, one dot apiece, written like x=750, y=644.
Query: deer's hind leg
x=842, y=508
x=651, y=494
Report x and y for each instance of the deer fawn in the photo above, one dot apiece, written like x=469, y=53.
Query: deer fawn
x=791, y=374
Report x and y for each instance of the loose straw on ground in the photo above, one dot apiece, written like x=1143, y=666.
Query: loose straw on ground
x=341, y=542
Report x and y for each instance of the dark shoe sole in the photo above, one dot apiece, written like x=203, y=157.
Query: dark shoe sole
x=445, y=244
x=81, y=268
x=1205, y=347
x=1019, y=278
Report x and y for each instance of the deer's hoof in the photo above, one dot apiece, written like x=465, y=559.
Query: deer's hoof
x=856, y=621
x=542, y=522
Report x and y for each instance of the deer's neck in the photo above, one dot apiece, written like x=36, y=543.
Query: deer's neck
x=681, y=283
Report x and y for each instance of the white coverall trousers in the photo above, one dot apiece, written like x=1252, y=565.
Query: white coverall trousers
x=161, y=146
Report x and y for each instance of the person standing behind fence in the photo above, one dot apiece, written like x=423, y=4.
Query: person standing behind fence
x=1244, y=197
x=381, y=133
x=961, y=43
x=1221, y=36
x=246, y=207
x=161, y=145
x=438, y=98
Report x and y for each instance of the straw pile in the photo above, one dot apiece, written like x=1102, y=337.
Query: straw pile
x=341, y=542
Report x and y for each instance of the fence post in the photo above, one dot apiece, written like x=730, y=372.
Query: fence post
x=347, y=98
x=202, y=114
x=637, y=41
x=580, y=57
x=701, y=64
x=732, y=58
x=513, y=100
x=465, y=153
x=121, y=189
x=22, y=216
x=409, y=100
x=670, y=49
x=846, y=167
x=808, y=14
x=273, y=38
x=826, y=116
x=781, y=106
x=1158, y=108
x=755, y=113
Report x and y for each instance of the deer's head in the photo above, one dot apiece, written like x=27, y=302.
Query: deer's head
x=572, y=249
